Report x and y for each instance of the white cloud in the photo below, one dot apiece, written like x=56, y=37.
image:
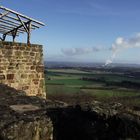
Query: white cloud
x=80, y=51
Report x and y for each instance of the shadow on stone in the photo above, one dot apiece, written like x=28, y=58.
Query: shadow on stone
x=33, y=118
x=73, y=123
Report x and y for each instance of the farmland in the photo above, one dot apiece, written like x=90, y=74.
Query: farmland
x=76, y=85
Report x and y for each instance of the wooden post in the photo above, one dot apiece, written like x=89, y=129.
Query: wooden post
x=29, y=32
x=3, y=37
x=13, y=38
x=12, y=23
x=14, y=33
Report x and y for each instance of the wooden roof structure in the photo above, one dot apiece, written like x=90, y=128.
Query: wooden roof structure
x=13, y=23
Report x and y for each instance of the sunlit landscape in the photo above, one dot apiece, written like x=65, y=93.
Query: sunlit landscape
x=84, y=84
x=70, y=70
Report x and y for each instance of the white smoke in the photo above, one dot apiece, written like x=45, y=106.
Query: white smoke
x=119, y=45
x=122, y=43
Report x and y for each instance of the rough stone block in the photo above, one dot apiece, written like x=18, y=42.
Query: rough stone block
x=2, y=77
x=25, y=87
x=26, y=53
x=36, y=82
x=32, y=54
x=10, y=76
x=32, y=67
x=25, y=61
x=31, y=76
x=10, y=68
x=40, y=68
x=23, y=75
x=18, y=53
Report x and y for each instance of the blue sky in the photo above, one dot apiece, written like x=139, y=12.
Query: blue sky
x=84, y=30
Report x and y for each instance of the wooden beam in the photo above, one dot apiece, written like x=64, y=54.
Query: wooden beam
x=10, y=34
x=4, y=30
x=11, y=21
x=29, y=25
x=23, y=24
x=6, y=24
x=21, y=15
x=14, y=23
x=3, y=37
x=16, y=19
x=15, y=29
x=14, y=33
x=8, y=28
x=4, y=14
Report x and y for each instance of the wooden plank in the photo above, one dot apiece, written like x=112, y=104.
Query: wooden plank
x=8, y=23
x=16, y=23
x=23, y=24
x=4, y=14
x=15, y=28
x=21, y=29
x=8, y=27
x=7, y=30
x=26, y=17
x=3, y=32
x=11, y=24
x=16, y=19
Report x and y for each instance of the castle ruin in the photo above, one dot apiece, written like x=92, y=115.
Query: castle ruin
x=21, y=64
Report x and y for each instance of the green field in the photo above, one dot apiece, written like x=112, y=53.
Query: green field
x=68, y=85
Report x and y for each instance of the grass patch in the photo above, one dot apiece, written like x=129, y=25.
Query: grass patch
x=66, y=85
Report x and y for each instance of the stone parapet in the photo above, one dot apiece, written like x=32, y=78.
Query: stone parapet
x=22, y=67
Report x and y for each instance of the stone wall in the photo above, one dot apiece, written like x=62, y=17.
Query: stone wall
x=32, y=118
x=22, y=67
x=23, y=117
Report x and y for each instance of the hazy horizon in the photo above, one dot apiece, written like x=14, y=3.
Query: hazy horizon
x=70, y=61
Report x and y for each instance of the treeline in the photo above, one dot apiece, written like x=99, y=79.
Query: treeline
x=123, y=83
x=135, y=74
x=101, y=79
x=126, y=84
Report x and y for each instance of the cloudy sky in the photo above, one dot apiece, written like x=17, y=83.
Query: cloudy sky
x=84, y=30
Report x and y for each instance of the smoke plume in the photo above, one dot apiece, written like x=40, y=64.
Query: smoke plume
x=122, y=43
